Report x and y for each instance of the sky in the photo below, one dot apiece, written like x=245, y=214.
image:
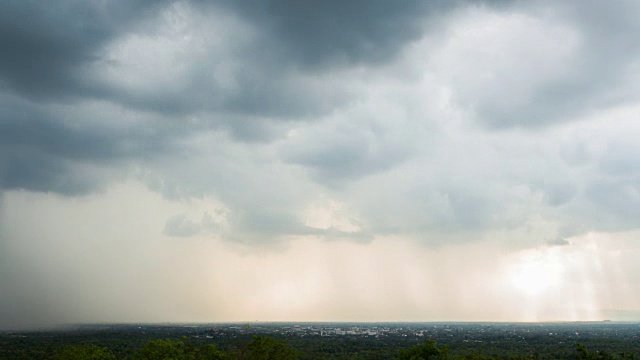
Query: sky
x=278, y=160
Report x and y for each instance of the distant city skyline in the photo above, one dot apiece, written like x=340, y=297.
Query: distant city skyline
x=186, y=161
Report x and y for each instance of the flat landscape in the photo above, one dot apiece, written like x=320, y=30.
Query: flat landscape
x=601, y=340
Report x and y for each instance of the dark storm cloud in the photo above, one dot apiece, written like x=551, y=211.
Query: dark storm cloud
x=60, y=52
x=276, y=62
x=325, y=33
x=47, y=45
x=56, y=51
x=48, y=49
x=278, y=69
x=41, y=150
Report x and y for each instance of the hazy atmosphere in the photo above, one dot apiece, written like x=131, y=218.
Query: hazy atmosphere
x=281, y=160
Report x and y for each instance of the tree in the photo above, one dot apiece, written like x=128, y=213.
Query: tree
x=266, y=348
x=84, y=352
x=428, y=350
x=178, y=350
x=166, y=350
x=210, y=352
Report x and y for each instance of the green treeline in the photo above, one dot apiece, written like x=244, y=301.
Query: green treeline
x=260, y=348
x=168, y=343
x=267, y=348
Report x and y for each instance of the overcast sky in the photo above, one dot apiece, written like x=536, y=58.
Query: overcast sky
x=319, y=160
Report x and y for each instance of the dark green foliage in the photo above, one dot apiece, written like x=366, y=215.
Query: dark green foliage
x=267, y=348
x=210, y=352
x=86, y=352
x=428, y=350
x=165, y=350
x=582, y=353
x=463, y=341
x=177, y=350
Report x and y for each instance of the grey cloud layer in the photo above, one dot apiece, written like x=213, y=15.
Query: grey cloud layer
x=47, y=46
x=330, y=33
x=582, y=58
x=46, y=149
x=267, y=106
x=58, y=52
